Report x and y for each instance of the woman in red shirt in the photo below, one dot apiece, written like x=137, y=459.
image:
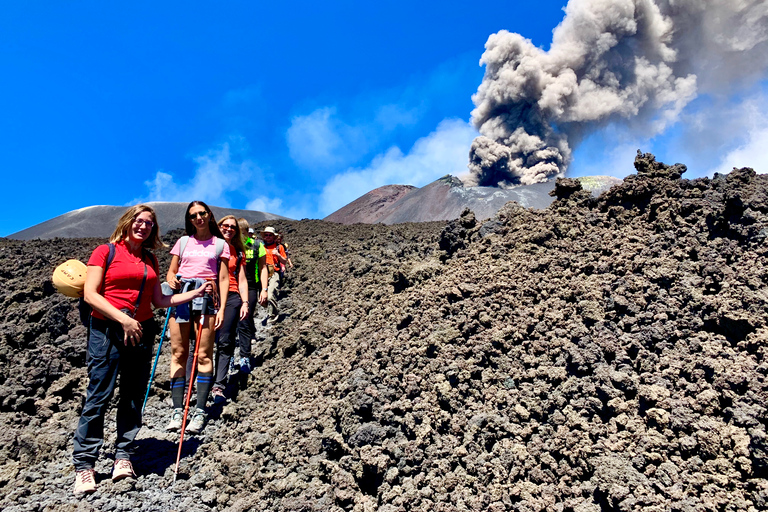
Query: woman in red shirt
x=120, y=339
x=237, y=304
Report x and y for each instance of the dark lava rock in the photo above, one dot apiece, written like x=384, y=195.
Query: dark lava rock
x=607, y=353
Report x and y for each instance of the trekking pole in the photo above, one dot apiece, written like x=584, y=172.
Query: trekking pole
x=189, y=391
x=164, y=286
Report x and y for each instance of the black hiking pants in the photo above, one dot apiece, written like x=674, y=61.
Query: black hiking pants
x=246, y=328
x=226, y=337
x=108, y=357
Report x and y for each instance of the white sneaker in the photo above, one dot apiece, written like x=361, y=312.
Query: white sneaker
x=175, y=424
x=197, y=423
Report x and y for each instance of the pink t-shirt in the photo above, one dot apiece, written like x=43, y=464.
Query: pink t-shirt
x=199, y=258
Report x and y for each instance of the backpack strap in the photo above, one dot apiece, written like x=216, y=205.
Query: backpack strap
x=83, y=307
x=141, y=290
x=153, y=259
x=110, y=257
x=220, y=243
x=238, y=263
x=183, y=245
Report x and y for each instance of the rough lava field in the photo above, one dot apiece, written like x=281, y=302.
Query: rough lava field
x=604, y=354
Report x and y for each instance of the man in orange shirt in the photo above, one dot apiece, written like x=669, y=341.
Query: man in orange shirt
x=276, y=259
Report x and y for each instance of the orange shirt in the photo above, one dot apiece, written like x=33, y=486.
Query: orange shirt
x=271, y=258
x=232, y=266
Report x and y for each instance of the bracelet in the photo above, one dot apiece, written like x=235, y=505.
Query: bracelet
x=245, y=302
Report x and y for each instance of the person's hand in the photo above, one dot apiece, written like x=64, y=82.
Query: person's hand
x=131, y=330
x=206, y=288
x=219, y=319
x=174, y=282
x=244, y=311
x=263, y=297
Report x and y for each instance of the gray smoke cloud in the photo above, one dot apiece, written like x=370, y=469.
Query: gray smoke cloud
x=635, y=62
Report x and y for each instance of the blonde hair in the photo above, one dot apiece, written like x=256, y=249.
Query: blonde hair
x=123, y=225
x=237, y=240
x=244, y=226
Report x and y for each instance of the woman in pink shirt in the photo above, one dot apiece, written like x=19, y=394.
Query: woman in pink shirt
x=199, y=257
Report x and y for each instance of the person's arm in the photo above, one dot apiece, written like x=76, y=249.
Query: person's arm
x=280, y=255
x=223, y=291
x=170, y=277
x=159, y=300
x=93, y=279
x=263, y=280
x=242, y=286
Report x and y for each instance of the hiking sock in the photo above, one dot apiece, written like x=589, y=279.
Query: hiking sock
x=204, y=384
x=178, y=388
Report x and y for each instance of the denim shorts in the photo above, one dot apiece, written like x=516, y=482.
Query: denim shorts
x=182, y=311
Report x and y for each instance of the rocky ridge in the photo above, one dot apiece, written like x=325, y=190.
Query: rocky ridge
x=603, y=354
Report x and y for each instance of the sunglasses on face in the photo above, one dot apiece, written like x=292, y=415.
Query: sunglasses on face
x=195, y=215
x=228, y=226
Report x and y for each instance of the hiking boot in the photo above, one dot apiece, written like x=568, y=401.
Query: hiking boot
x=175, y=424
x=122, y=469
x=245, y=365
x=198, y=422
x=85, y=481
x=218, y=395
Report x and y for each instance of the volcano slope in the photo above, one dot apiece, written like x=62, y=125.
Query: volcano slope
x=603, y=354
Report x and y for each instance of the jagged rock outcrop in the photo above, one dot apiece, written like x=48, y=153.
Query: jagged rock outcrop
x=606, y=354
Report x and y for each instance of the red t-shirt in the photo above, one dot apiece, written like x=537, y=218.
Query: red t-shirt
x=234, y=284
x=123, y=280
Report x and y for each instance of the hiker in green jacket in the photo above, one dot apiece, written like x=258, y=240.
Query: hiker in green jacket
x=256, y=274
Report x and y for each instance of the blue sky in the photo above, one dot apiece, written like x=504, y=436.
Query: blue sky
x=293, y=108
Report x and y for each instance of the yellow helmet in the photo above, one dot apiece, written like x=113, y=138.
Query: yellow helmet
x=69, y=278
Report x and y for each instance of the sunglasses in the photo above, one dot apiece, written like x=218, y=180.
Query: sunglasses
x=202, y=215
x=228, y=226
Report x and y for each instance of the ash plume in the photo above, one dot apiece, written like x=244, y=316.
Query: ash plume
x=631, y=62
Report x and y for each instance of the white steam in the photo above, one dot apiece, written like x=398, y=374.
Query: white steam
x=637, y=62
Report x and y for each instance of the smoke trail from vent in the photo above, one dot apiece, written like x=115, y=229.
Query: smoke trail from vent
x=636, y=62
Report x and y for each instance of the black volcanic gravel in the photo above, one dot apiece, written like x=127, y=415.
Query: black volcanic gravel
x=604, y=354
